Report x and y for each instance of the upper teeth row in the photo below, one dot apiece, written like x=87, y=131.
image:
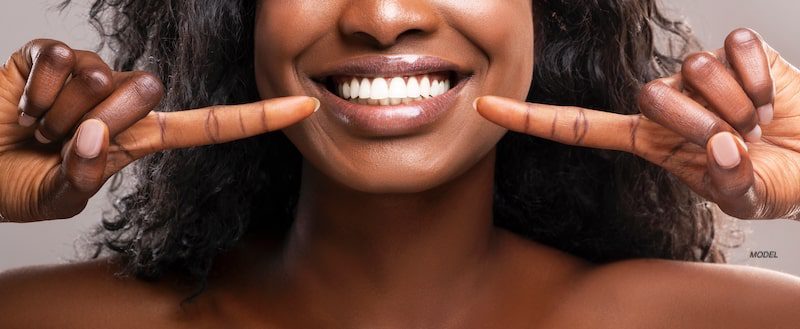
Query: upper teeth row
x=396, y=88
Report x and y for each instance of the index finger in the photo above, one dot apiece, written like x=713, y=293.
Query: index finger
x=564, y=124
x=161, y=131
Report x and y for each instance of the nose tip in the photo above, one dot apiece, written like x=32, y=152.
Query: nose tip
x=382, y=24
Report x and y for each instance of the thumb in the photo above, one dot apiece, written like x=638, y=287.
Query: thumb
x=85, y=162
x=564, y=124
x=81, y=173
x=731, y=176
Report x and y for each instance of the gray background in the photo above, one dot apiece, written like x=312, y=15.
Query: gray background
x=56, y=241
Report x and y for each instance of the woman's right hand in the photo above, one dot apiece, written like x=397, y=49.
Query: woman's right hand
x=68, y=123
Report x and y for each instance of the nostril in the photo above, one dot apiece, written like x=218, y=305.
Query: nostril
x=382, y=24
x=411, y=32
x=370, y=40
x=374, y=42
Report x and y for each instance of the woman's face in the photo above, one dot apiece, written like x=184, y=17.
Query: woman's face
x=396, y=79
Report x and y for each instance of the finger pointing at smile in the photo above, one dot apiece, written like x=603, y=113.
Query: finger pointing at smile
x=161, y=131
x=568, y=125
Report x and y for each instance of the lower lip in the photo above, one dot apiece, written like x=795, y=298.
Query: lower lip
x=386, y=121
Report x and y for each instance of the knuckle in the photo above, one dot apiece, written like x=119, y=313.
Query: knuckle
x=97, y=80
x=651, y=93
x=741, y=36
x=52, y=129
x=266, y=122
x=161, y=121
x=744, y=118
x=734, y=187
x=761, y=84
x=148, y=87
x=212, y=125
x=712, y=128
x=93, y=55
x=49, y=131
x=81, y=180
x=57, y=54
x=699, y=65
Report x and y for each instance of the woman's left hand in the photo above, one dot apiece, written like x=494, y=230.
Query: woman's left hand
x=728, y=125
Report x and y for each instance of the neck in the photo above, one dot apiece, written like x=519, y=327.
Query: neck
x=345, y=241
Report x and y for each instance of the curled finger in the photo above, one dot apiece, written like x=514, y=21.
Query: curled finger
x=745, y=51
x=47, y=64
x=709, y=77
x=90, y=84
x=681, y=114
x=137, y=94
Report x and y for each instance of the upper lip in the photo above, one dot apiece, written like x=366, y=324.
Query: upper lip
x=389, y=66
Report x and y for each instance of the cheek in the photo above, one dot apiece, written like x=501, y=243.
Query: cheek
x=279, y=38
x=503, y=30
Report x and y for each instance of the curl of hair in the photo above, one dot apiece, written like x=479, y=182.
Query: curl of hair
x=187, y=206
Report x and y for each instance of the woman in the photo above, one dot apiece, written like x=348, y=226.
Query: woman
x=414, y=210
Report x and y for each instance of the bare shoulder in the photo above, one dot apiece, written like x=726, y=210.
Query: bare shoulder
x=673, y=294
x=81, y=295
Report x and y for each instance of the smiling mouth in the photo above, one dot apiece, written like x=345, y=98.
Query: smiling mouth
x=390, y=90
x=390, y=96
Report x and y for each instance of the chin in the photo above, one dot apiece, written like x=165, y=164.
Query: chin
x=398, y=180
x=386, y=170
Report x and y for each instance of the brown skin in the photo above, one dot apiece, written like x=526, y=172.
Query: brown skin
x=421, y=250
x=714, y=96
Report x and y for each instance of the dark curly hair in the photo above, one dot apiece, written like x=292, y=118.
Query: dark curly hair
x=187, y=206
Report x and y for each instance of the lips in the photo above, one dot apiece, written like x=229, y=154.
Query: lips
x=390, y=95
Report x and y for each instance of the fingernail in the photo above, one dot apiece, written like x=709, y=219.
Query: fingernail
x=40, y=137
x=754, y=135
x=316, y=107
x=475, y=103
x=89, y=139
x=725, y=151
x=742, y=144
x=26, y=120
x=765, y=114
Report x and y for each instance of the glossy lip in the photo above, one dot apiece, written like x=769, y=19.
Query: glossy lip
x=389, y=66
x=394, y=120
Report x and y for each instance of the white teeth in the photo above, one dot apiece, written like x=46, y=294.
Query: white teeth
x=346, y=91
x=394, y=91
x=435, y=88
x=397, y=88
x=425, y=87
x=354, y=88
x=412, y=88
x=380, y=89
x=364, y=89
